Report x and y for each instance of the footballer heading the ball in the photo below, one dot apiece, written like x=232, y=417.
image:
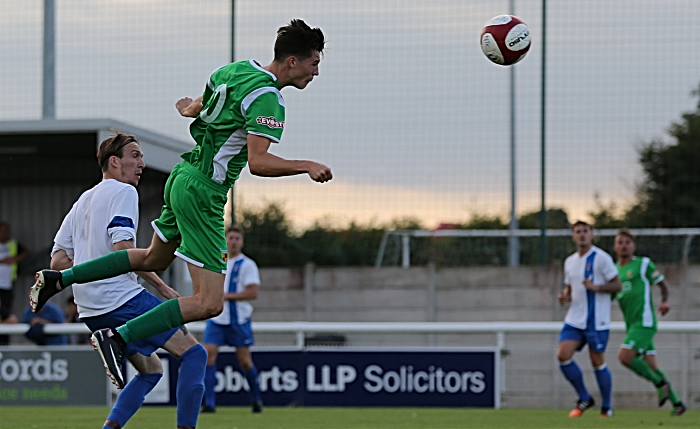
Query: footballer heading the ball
x=505, y=40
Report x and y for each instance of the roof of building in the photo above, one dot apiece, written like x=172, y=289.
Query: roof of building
x=27, y=137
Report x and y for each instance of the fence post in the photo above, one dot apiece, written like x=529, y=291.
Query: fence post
x=405, y=251
x=432, y=299
x=300, y=339
x=501, y=346
x=309, y=272
x=382, y=248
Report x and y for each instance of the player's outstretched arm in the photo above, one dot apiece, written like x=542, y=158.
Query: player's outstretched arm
x=189, y=108
x=262, y=163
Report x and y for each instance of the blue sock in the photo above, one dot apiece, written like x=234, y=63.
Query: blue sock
x=604, y=378
x=132, y=397
x=252, y=378
x=209, y=386
x=190, y=385
x=573, y=373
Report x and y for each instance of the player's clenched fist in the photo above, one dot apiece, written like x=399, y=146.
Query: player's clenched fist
x=319, y=172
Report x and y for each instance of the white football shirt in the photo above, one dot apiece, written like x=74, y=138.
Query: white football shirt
x=102, y=216
x=589, y=309
x=240, y=273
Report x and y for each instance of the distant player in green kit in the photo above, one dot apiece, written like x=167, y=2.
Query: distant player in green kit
x=237, y=118
x=637, y=352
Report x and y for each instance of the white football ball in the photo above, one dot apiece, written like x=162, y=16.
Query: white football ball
x=505, y=40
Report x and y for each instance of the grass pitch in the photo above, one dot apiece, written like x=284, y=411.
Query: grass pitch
x=17, y=417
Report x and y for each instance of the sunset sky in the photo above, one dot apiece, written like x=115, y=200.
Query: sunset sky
x=409, y=114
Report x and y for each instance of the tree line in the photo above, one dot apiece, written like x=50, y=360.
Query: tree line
x=668, y=196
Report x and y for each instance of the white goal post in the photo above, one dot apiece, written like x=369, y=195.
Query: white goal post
x=406, y=235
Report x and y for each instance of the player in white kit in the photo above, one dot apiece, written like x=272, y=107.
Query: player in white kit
x=590, y=277
x=232, y=327
x=104, y=220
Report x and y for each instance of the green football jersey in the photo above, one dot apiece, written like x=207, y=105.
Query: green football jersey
x=240, y=98
x=636, y=304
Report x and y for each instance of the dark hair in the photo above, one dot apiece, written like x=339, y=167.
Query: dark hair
x=234, y=228
x=113, y=146
x=580, y=222
x=626, y=233
x=299, y=40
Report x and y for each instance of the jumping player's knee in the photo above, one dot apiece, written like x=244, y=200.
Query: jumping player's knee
x=213, y=310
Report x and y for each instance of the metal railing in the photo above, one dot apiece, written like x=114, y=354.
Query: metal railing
x=300, y=330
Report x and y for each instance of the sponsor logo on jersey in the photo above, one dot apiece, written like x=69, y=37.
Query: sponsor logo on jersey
x=270, y=122
x=630, y=274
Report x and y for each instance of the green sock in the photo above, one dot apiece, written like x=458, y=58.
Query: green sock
x=155, y=321
x=104, y=267
x=641, y=368
x=675, y=399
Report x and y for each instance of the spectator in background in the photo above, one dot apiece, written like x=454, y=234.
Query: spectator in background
x=11, y=254
x=50, y=313
x=72, y=317
x=6, y=318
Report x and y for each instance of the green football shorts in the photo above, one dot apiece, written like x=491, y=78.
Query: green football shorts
x=194, y=214
x=640, y=339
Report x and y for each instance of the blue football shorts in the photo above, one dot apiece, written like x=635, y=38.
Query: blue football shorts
x=233, y=335
x=133, y=308
x=596, y=340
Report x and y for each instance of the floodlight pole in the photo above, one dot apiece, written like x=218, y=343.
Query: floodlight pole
x=513, y=240
x=48, y=106
x=543, y=210
x=233, y=58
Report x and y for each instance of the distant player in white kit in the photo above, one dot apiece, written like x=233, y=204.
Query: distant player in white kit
x=102, y=221
x=232, y=327
x=590, y=277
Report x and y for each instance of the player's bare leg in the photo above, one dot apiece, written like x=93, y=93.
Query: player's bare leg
x=245, y=358
x=157, y=257
x=48, y=283
x=208, y=298
x=212, y=353
x=597, y=358
x=566, y=350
